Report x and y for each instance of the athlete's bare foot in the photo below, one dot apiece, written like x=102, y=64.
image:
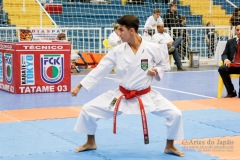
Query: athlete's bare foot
x=89, y=145
x=174, y=151
x=171, y=149
x=86, y=147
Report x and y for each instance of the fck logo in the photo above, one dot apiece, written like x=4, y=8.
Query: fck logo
x=8, y=67
x=52, y=68
x=51, y=61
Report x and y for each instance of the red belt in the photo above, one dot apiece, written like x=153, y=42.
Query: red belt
x=128, y=94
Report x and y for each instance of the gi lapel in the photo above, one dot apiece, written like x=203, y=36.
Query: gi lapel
x=135, y=60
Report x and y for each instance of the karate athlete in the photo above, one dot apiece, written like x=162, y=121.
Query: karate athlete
x=138, y=62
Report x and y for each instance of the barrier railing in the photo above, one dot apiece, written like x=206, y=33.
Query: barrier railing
x=202, y=39
x=42, y=9
x=82, y=39
x=9, y=34
x=90, y=39
x=85, y=39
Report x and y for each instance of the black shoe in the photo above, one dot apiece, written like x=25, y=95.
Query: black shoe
x=181, y=69
x=171, y=49
x=231, y=95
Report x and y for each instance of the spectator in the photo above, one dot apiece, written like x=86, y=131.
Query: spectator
x=237, y=19
x=3, y=16
x=234, y=14
x=79, y=1
x=151, y=23
x=231, y=63
x=173, y=19
x=168, y=1
x=136, y=1
x=185, y=39
x=162, y=1
x=164, y=38
x=234, y=20
x=211, y=37
x=114, y=39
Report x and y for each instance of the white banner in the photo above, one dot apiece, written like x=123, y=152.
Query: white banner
x=42, y=34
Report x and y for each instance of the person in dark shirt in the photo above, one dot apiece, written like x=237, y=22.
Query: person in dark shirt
x=211, y=39
x=183, y=48
x=231, y=63
x=234, y=20
x=173, y=19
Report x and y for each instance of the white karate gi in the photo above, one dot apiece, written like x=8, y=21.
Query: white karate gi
x=113, y=39
x=131, y=76
x=151, y=21
x=162, y=38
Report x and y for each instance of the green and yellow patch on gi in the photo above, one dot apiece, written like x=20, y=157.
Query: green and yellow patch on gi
x=144, y=64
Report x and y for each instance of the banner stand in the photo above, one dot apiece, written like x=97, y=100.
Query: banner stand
x=35, y=67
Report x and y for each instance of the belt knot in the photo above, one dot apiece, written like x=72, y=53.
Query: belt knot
x=130, y=94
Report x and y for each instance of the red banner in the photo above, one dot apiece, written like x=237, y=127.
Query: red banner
x=35, y=67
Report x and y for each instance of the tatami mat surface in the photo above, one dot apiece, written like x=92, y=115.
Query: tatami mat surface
x=40, y=126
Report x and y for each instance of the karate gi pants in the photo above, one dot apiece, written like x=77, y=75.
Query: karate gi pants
x=98, y=109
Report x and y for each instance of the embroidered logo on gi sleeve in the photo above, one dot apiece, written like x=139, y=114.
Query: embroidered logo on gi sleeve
x=144, y=64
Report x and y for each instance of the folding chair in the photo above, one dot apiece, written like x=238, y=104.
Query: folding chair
x=220, y=82
x=170, y=59
x=106, y=45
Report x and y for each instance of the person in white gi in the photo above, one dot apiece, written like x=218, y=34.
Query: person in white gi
x=137, y=62
x=152, y=22
x=113, y=38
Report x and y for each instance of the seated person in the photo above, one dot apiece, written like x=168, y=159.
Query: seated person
x=164, y=38
x=231, y=63
x=148, y=33
x=114, y=39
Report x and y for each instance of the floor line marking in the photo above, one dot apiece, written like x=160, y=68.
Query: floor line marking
x=173, y=90
x=191, y=71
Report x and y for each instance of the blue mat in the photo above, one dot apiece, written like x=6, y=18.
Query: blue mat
x=210, y=123
x=55, y=139
x=63, y=155
x=193, y=130
x=229, y=125
x=208, y=115
x=185, y=82
x=32, y=143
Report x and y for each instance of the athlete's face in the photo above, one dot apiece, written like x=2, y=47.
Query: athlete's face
x=124, y=33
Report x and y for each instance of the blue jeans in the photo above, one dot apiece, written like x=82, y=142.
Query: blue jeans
x=177, y=42
x=175, y=54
